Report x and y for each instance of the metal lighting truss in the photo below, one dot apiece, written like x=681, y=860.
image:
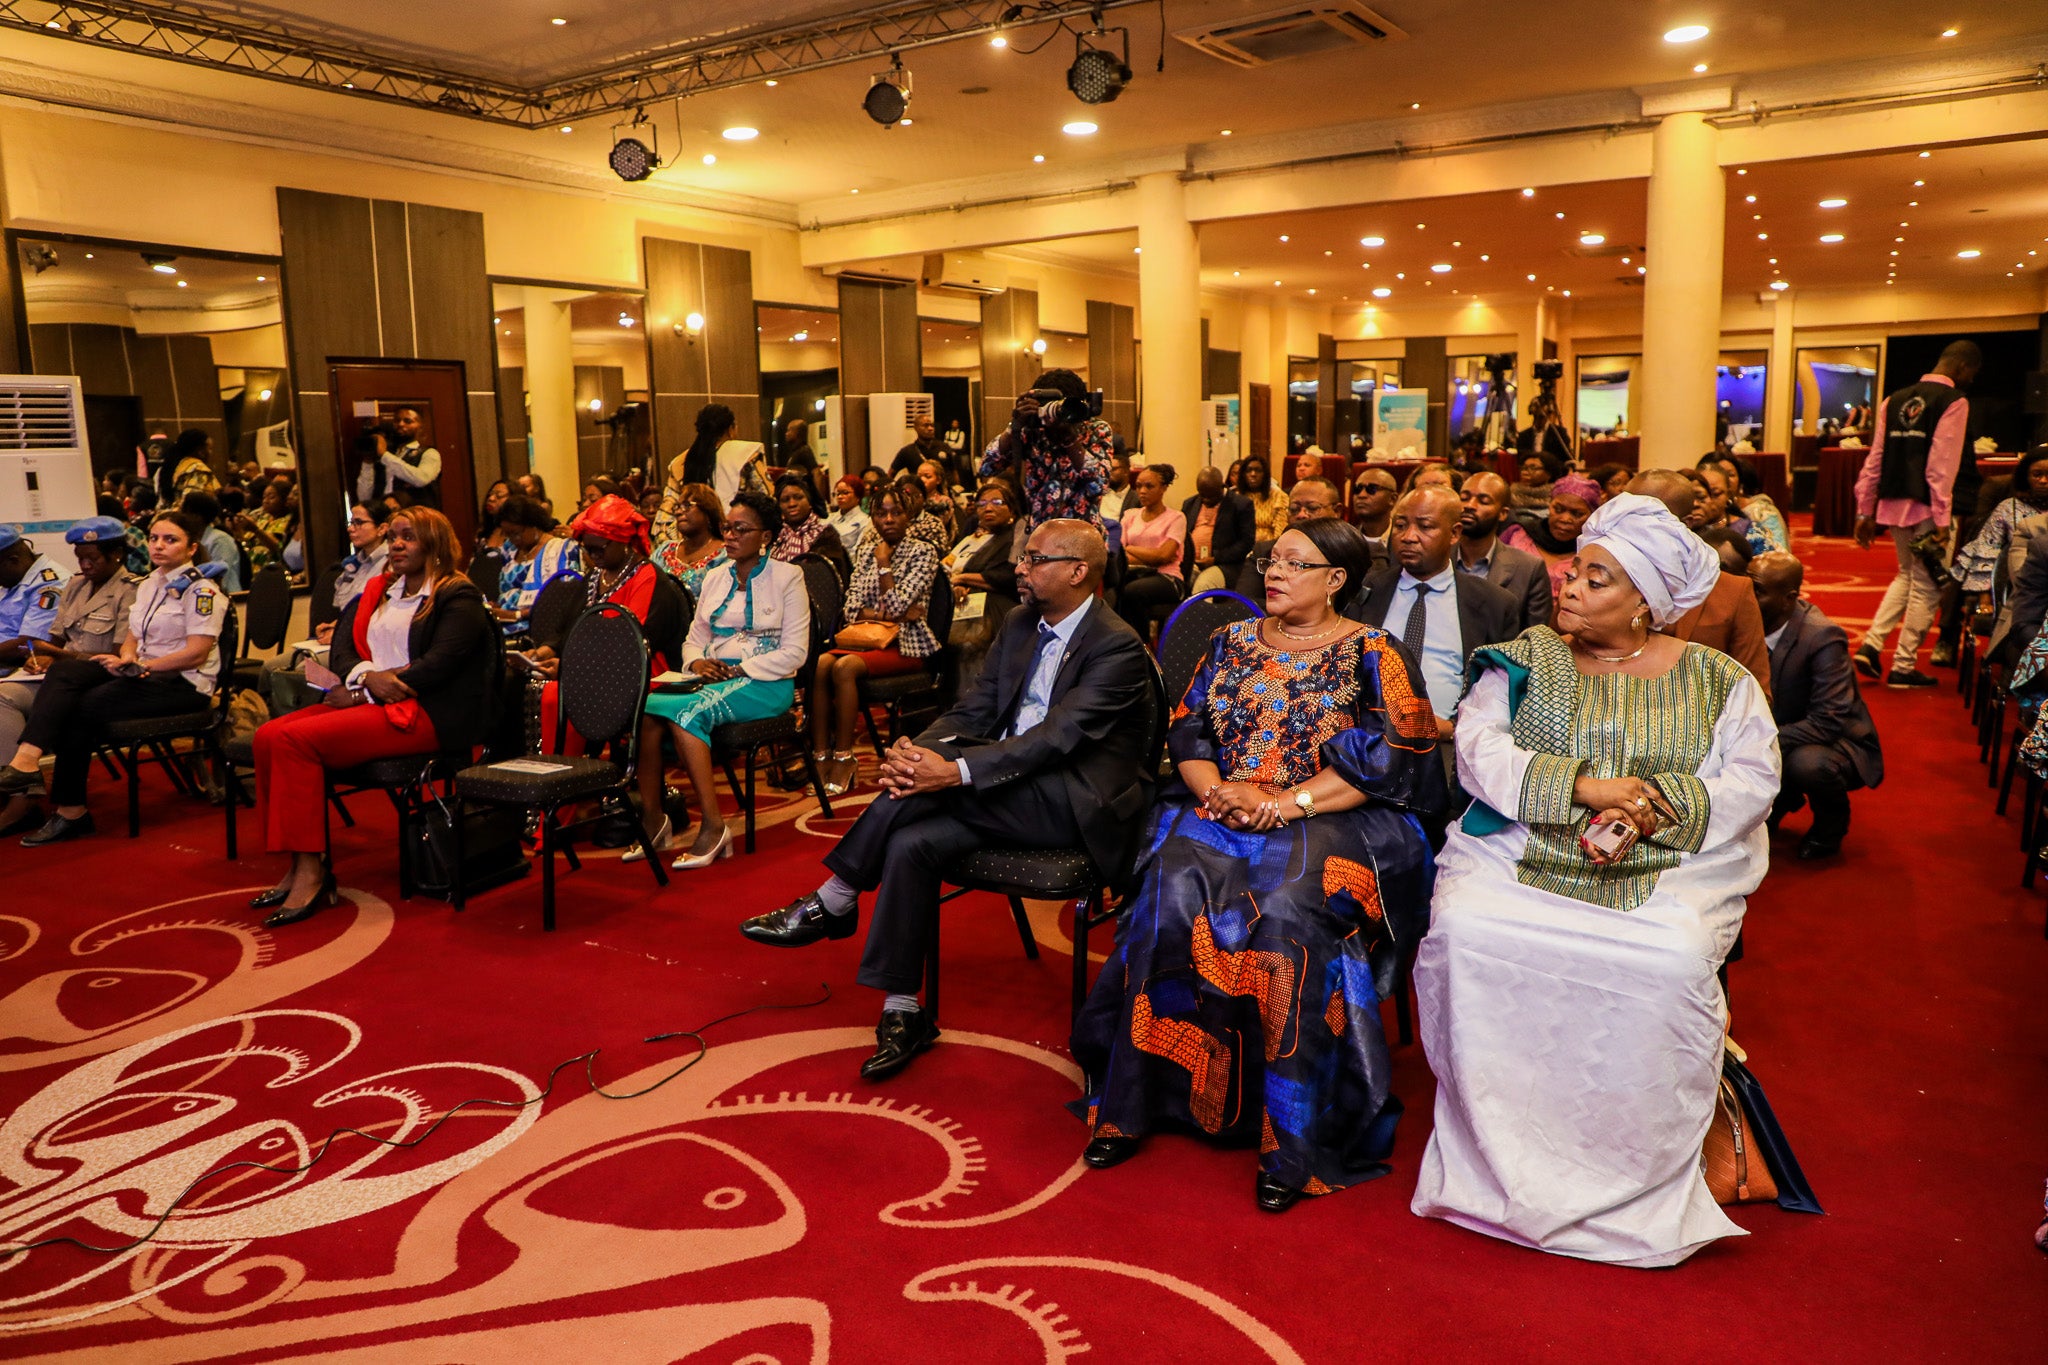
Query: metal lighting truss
x=222, y=39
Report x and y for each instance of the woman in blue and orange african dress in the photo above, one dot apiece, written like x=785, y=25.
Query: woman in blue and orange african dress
x=1284, y=872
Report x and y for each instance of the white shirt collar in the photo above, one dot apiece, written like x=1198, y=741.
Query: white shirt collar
x=1066, y=628
x=1771, y=640
x=1442, y=582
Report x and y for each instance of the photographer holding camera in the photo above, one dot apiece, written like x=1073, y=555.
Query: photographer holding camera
x=1056, y=449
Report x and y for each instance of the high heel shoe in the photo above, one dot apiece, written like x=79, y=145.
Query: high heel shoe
x=322, y=899
x=663, y=837
x=722, y=849
x=274, y=897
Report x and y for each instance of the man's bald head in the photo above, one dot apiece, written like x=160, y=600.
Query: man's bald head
x=1209, y=483
x=1440, y=501
x=1777, y=577
x=1067, y=536
x=1489, y=483
x=1313, y=498
x=1669, y=487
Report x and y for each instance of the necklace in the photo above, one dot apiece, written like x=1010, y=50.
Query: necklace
x=1619, y=658
x=1297, y=635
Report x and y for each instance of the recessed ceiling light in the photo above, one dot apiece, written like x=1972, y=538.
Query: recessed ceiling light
x=1968, y=254
x=1532, y=279
x=1283, y=236
x=1137, y=251
x=1039, y=157
x=1831, y=236
x=1918, y=183
x=1912, y=203
x=184, y=284
x=265, y=279
x=740, y=133
x=1078, y=128
x=1400, y=274
x=1756, y=217
x=1685, y=33
x=1904, y=223
x=1743, y=170
x=1779, y=284
x=1329, y=253
x=1372, y=241
x=1699, y=68
x=164, y=268
x=1485, y=257
x=1642, y=270
x=1898, y=239
x=1528, y=194
x=1749, y=199
x=1567, y=293
x=1382, y=292
x=1834, y=203
x=1895, y=252
x=853, y=191
x=1950, y=32
x=1235, y=273
x=1560, y=213
x=1441, y=268
x=1591, y=239
x=771, y=84
x=1226, y=132
x=558, y=22
x=1311, y=291
x=1626, y=261
x=1457, y=244
x=1415, y=106
x=567, y=129
x=1925, y=155
x=1774, y=260
x=903, y=123
x=1763, y=236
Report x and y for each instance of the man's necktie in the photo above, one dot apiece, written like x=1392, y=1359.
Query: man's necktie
x=1418, y=620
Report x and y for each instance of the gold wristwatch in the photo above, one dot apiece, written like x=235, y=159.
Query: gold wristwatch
x=1305, y=801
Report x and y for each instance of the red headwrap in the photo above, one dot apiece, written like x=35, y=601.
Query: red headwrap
x=613, y=518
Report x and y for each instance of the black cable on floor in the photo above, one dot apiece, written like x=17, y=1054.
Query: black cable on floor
x=589, y=1060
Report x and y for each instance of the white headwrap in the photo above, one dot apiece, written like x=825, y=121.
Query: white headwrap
x=1671, y=567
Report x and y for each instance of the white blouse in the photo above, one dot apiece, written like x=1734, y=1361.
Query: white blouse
x=390, y=631
x=763, y=624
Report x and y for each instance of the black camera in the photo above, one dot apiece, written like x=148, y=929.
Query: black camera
x=1055, y=406
x=1501, y=363
x=1548, y=370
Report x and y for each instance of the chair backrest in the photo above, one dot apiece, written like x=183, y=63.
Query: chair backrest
x=828, y=607
x=938, y=612
x=603, y=677
x=485, y=570
x=1184, y=640
x=320, y=608
x=555, y=608
x=668, y=618
x=224, y=675
x=269, y=607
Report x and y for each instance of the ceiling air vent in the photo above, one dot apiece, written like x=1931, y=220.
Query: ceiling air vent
x=1307, y=30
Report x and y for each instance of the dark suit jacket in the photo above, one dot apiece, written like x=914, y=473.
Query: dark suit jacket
x=1526, y=579
x=1729, y=621
x=1230, y=544
x=1487, y=615
x=2026, y=606
x=452, y=661
x=1815, y=699
x=1089, y=739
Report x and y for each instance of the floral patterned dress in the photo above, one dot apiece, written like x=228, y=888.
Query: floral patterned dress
x=1059, y=481
x=1242, y=999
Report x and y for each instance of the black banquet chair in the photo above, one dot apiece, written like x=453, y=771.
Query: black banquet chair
x=320, y=608
x=555, y=609
x=603, y=688
x=267, y=616
x=203, y=726
x=925, y=688
x=1184, y=642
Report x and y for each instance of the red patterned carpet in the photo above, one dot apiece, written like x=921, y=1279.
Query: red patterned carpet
x=767, y=1206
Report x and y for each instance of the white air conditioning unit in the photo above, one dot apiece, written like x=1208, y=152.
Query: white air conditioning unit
x=1219, y=431
x=890, y=416
x=966, y=272
x=1302, y=30
x=45, y=469
x=890, y=270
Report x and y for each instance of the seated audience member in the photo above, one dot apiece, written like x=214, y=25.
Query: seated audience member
x=187, y=467
x=984, y=564
x=747, y=643
x=1554, y=536
x=804, y=532
x=141, y=503
x=1531, y=491
x=91, y=618
x=1481, y=552
x=1242, y=998
x=1434, y=474
x=533, y=486
x=532, y=556
x=2001, y=543
x=1468, y=452
x=164, y=666
x=1727, y=619
x=1116, y=489
x=872, y=482
x=1716, y=505
x=889, y=595
x=1767, y=528
x=1309, y=464
x=1058, y=464
x=603, y=486
x=1221, y=531
x=694, y=543
x=1552, y=1132
x=848, y=520
x=1269, y=502
x=1612, y=478
x=1372, y=505
x=942, y=500
x=1309, y=500
x=1826, y=741
x=923, y=525
x=800, y=459
x=31, y=586
x=924, y=445
x=282, y=685
x=489, y=534
x=414, y=655
x=266, y=529
x=1155, y=537
x=1419, y=599
x=1048, y=750
x=221, y=549
x=1730, y=546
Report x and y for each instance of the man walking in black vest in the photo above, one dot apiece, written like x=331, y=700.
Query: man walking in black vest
x=1906, y=486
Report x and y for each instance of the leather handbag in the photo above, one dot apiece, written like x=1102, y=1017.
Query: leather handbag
x=868, y=635
x=1735, y=1169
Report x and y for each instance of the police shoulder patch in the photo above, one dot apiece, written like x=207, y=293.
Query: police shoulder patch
x=48, y=575
x=204, y=602
x=47, y=600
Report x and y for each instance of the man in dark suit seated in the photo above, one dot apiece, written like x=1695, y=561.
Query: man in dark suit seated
x=1481, y=554
x=1215, y=550
x=1311, y=499
x=1728, y=619
x=1441, y=615
x=1828, y=744
x=1047, y=751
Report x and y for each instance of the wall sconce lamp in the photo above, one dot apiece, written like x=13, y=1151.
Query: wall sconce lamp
x=596, y=406
x=1038, y=346
x=691, y=326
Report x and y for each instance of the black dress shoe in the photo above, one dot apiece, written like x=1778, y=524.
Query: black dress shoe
x=292, y=914
x=1817, y=846
x=32, y=820
x=1273, y=1196
x=804, y=920
x=13, y=780
x=57, y=829
x=1105, y=1152
x=901, y=1035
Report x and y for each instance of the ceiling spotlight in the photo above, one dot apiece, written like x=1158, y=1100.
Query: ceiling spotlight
x=1080, y=127
x=998, y=41
x=888, y=97
x=260, y=279
x=1528, y=194
x=1283, y=236
x=1372, y=241
x=1699, y=68
x=1686, y=33
x=1834, y=203
x=710, y=158
x=1831, y=236
x=771, y=84
x=1560, y=213
x=1918, y=183
x=800, y=336
x=1950, y=32
x=161, y=264
x=1441, y=268
x=631, y=159
x=1591, y=239
x=558, y=22
x=1925, y=155
x=568, y=128
x=1099, y=75
x=264, y=395
x=1040, y=157
x=184, y=284
x=1038, y=346
x=1968, y=254
x=1532, y=279
x=740, y=133
x=1382, y=292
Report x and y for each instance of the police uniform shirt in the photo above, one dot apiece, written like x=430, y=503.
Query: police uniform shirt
x=29, y=607
x=94, y=620
x=171, y=607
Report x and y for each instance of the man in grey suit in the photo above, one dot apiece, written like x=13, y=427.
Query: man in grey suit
x=1825, y=735
x=1481, y=554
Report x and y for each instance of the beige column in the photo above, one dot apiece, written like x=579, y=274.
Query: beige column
x=1169, y=323
x=1681, y=292
x=551, y=393
x=1779, y=379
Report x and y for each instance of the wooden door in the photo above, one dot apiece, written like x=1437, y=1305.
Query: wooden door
x=1259, y=423
x=367, y=392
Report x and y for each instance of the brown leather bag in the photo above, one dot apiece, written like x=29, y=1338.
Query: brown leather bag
x=1735, y=1169
x=867, y=635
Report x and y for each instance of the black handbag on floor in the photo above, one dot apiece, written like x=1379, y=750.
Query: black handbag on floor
x=491, y=851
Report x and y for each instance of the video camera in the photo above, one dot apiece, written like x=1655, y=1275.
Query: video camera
x=1055, y=406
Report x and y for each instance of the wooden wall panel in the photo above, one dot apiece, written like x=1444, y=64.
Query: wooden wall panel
x=1113, y=364
x=1426, y=365
x=149, y=359
x=733, y=348
x=1223, y=371
x=1009, y=323
x=880, y=351
x=512, y=422
x=98, y=356
x=606, y=384
x=451, y=315
x=723, y=363
x=174, y=376
x=391, y=249
x=1326, y=391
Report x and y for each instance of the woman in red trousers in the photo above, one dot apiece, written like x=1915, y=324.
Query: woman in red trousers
x=413, y=652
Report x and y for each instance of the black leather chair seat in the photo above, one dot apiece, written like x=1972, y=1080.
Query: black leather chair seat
x=747, y=733
x=1040, y=874
x=577, y=778
x=144, y=729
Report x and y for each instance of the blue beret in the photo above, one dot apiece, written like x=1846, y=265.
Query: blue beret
x=93, y=530
x=9, y=537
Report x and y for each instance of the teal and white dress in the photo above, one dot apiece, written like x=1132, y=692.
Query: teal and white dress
x=1572, y=1013
x=764, y=626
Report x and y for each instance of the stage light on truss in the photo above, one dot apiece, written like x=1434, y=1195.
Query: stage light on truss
x=631, y=158
x=888, y=97
x=1099, y=75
